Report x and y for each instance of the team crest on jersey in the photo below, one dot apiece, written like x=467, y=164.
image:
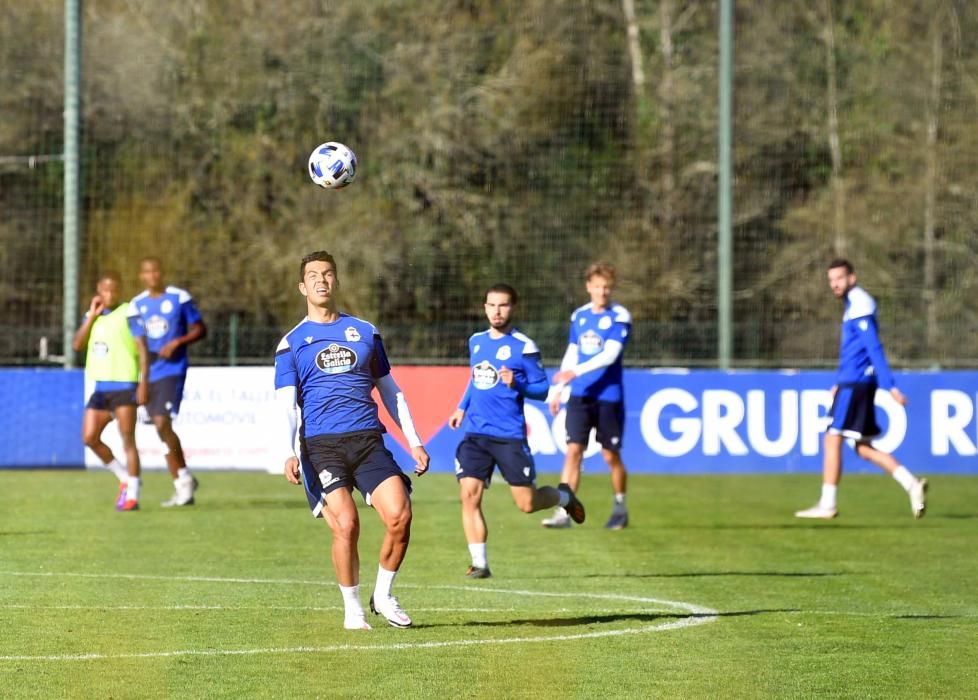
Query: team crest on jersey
x=484, y=375
x=590, y=343
x=336, y=359
x=156, y=327
x=504, y=353
x=605, y=323
x=166, y=307
x=352, y=334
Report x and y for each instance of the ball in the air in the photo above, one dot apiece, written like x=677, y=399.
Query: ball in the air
x=332, y=165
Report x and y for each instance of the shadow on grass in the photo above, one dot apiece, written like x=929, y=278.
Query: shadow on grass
x=26, y=532
x=799, y=525
x=579, y=620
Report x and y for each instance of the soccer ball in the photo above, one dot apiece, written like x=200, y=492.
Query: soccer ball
x=332, y=165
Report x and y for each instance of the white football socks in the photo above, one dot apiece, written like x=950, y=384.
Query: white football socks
x=132, y=489
x=121, y=473
x=828, y=496
x=351, y=601
x=904, y=477
x=385, y=580
x=478, y=553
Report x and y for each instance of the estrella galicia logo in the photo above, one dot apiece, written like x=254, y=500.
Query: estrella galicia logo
x=590, y=343
x=156, y=327
x=484, y=375
x=336, y=359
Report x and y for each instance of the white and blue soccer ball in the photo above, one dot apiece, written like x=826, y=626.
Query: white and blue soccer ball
x=332, y=165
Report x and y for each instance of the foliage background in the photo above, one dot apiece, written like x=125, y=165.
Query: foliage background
x=508, y=140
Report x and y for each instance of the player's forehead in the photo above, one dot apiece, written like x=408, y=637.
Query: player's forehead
x=498, y=298
x=838, y=272
x=107, y=284
x=150, y=265
x=318, y=267
x=598, y=280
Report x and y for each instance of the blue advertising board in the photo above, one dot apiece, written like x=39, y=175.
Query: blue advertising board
x=677, y=421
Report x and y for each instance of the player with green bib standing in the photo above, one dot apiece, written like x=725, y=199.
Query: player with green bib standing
x=118, y=367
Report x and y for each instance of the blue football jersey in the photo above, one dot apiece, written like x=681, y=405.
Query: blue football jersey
x=333, y=367
x=492, y=408
x=161, y=319
x=589, y=331
x=861, y=356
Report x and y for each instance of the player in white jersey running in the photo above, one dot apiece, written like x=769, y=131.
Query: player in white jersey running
x=862, y=370
x=505, y=369
x=327, y=367
x=592, y=366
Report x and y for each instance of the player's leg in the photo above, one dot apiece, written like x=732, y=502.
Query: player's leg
x=827, y=507
x=578, y=421
x=916, y=488
x=610, y=430
x=530, y=499
x=97, y=415
x=340, y=513
x=125, y=416
x=474, y=465
x=392, y=502
x=474, y=525
x=846, y=414
x=166, y=396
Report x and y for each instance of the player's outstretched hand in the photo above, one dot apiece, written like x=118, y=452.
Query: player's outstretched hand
x=455, y=420
x=292, y=470
x=421, y=459
x=899, y=396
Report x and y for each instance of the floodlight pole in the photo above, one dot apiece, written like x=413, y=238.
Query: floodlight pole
x=72, y=137
x=725, y=188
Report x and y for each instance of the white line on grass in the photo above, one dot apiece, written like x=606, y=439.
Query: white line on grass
x=697, y=615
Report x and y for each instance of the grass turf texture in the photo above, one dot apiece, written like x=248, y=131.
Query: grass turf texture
x=235, y=597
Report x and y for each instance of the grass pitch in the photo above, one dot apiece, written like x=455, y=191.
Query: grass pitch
x=714, y=591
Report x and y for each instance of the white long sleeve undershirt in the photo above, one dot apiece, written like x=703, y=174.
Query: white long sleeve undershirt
x=396, y=405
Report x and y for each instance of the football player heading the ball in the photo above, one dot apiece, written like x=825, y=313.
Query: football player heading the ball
x=329, y=364
x=505, y=369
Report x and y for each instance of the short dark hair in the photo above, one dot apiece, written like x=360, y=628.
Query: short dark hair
x=108, y=275
x=842, y=262
x=603, y=269
x=502, y=288
x=315, y=256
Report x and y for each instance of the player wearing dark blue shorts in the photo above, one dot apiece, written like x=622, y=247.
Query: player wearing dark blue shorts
x=118, y=368
x=862, y=370
x=592, y=367
x=326, y=367
x=506, y=368
x=168, y=322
